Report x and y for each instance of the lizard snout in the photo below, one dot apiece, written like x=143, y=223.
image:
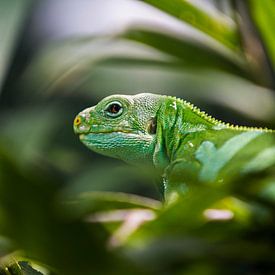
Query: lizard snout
x=81, y=123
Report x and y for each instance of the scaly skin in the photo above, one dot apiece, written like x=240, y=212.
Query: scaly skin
x=184, y=144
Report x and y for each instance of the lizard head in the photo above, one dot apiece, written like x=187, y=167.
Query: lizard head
x=121, y=126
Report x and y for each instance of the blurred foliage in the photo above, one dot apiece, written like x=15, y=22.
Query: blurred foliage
x=69, y=211
x=12, y=14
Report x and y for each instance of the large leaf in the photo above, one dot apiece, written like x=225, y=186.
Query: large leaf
x=65, y=65
x=215, y=24
x=189, y=51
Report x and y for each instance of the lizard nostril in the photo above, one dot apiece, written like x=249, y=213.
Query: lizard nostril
x=77, y=121
x=80, y=124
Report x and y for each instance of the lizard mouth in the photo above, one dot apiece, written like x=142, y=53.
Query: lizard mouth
x=84, y=136
x=123, y=131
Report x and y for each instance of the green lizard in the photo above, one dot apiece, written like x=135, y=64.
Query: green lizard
x=183, y=143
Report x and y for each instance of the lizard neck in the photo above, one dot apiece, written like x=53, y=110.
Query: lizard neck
x=176, y=120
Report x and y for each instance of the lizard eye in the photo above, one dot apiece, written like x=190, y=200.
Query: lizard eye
x=114, y=109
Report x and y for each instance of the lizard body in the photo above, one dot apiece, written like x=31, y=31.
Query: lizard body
x=183, y=143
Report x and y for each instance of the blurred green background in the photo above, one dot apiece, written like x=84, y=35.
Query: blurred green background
x=68, y=210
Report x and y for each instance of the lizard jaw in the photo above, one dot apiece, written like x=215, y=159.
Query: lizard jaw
x=120, y=145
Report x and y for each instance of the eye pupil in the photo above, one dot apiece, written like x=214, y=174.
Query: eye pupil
x=114, y=108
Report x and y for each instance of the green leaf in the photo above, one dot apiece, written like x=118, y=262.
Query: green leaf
x=27, y=269
x=5, y=244
x=263, y=14
x=36, y=221
x=215, y=24
x=66, y=64
x=13, y=264
x=192, y=53
x=90, y=202
x=32, y=221
x=33, y=140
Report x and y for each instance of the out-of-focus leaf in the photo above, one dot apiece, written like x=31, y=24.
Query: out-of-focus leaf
x=185, y=234
x=12, y=14
x=14, y=267
x=263, y=14
x=5, y=245
x=253, y=46
x=66, y=65
x=28, y=131
x=171, y=219
x=190, y=53
x=214, y=23
x=32, y=220
x=91, y=202
x=187, y=253
x=120, y=178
